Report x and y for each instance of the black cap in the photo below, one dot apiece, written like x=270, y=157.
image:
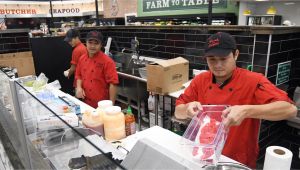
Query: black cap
x=219, y=44
x=95, y=35
x=72, y=33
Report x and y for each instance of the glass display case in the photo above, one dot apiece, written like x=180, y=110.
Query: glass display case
x=263, y=20
x=44, y=136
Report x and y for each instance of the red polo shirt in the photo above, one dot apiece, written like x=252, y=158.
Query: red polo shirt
x=96, y=74
x=78, y=51
x=244, y=88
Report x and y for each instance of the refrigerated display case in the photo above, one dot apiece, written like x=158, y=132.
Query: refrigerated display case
x=263, y=20
x=60, y=144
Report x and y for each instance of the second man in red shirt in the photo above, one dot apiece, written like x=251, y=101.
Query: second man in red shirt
x=96, y=73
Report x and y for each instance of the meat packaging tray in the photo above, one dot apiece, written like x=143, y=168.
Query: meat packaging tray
x=205, y=136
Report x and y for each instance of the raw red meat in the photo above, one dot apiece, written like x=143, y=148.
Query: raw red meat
x=207, y=135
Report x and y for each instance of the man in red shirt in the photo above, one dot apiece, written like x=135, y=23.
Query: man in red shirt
x=250, y=95
x=96, y=73
x=73, y=38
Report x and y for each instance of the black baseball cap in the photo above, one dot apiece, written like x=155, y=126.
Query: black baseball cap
x=219, y=44
x=72, y=33
x=94, y=35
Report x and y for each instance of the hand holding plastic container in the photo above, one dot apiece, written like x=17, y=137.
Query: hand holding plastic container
x=205, y=136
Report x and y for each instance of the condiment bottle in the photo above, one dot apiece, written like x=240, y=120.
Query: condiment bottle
x=129, y=122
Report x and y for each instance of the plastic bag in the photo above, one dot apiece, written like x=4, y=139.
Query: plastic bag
x=40, y=82
x=151, y=101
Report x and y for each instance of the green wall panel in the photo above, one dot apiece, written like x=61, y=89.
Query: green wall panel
x=179, y=7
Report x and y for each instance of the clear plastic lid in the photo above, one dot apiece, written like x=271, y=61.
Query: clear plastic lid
x=105, y=103
x=113, y=110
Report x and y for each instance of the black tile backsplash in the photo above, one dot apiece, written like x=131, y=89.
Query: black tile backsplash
x=272, y=70
x=259, y=69
x=166, y=43
x=278, y=58
x=275, y=47
x=14, y=42
x=263, y=38
x=261, y=47
x=260, y=60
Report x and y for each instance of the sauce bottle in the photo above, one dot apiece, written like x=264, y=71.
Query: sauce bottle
x=129, y=122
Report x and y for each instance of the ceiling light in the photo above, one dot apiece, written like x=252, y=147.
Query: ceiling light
x=271, y=10
x=247, y=12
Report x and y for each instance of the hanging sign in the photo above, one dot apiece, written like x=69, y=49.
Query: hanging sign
x=17, y=11
x=166, y=5
x=65, y=11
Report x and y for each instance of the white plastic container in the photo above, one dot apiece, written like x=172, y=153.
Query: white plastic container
x=94, y=120
x=102, y=105
x=114, y=123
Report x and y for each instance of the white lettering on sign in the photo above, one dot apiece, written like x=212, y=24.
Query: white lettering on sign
x=67, y=10
x=164, y=5
x=158, y=4
x=17, y=11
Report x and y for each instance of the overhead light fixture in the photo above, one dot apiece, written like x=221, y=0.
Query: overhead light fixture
x=271, y=10
x=247, y=12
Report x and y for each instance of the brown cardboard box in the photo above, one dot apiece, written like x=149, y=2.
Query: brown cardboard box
x=23, y=61
x=167, y=76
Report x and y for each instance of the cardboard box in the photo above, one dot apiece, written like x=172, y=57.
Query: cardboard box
x=167, y=76
x=23, y=61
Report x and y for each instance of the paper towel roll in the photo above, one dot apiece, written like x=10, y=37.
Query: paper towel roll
x=278, y=158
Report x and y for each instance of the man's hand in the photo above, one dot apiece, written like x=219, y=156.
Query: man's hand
x=233, y=116
x=80, y=93
x=66, y=73
x=193, y=108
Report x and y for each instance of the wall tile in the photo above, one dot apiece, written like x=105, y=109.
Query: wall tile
x=263, y=38
x=200, y=60
x=275, y=47
x=272, y=70
x=193, y=51
x=158, y=36
x=260, y=60
x=278, y=58
x=175, y=36
x=175, y=50
x=244, y=40
x=243, y=49
x=197, y=37
x=261, y=48
x=245, y=58
x=149, y=41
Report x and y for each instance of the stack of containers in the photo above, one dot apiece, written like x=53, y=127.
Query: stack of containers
x=94, y=120
x=204, y=139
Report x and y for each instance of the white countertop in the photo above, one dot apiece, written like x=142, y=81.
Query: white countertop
x=166, y=139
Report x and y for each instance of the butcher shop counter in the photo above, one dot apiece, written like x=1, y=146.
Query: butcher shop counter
x=64, y=143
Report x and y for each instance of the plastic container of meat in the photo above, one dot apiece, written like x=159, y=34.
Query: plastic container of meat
x=204, y=138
